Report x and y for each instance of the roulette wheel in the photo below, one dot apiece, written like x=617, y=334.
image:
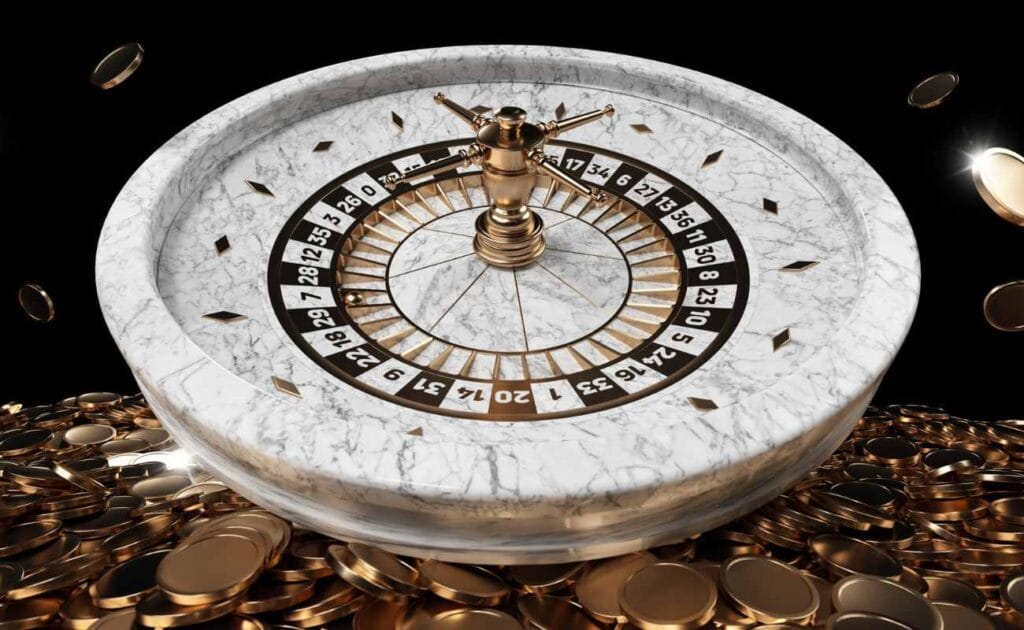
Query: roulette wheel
x=507, y=304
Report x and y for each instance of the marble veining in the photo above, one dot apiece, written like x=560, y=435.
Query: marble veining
x=641, y=474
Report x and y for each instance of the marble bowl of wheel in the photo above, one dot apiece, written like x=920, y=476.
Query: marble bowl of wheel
x=507, y=304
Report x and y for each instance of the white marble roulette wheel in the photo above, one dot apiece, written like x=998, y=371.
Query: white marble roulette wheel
x=486, y=330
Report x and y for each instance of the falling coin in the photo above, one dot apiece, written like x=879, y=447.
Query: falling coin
x=117, y=66
x=999, y=177
x=669, y=595
x=933, y=91
x=1004, y=306
x=36, y=303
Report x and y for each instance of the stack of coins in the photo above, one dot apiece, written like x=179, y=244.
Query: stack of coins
x=916, y=521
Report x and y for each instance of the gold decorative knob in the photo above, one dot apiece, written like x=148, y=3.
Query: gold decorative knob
x=510, y=151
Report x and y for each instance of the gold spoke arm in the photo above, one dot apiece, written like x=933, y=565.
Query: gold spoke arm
x=557, y=127
x=471, y=118
x=541, y=163
x=464, y=157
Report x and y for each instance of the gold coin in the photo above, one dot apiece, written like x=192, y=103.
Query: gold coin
x=90, y=434
x=768, y=590
x=276, y=532
x=141, y=535
x=999, y=177
x=288, y=570
x=422, y=610
x=10, y=574
x=107, y=524
x=120, y=447
x=36, y=303
x=94, y=401
x=27, y=536
x=1008, y=509
x=380, y=615
x=32, y=613
x=871, y=594
x=1011, y=593
x=78, y=612
x=63, y=547
x=125, y=501
x=127, y=583
x=157, y=611
x=14, y=505
x=933, y=91
x=893, y=451
x=158, y=488
x=1004, y=306
x=120, y=620
x=726, y=616
x=954, y=591
x=863, y=621
x=993, y=529
x=117, y=66
x=238, y=622
x=474, y=619
x=866, y=492
x=58, y=575
x=462, y=583
x=950, y=510
x=598, y=588
x=545, y=578
x=327, y=595
x=544, y=612
x=261, y=539
x=373, y=570
x=155, y=437
x=957, y=617
x=270, y=596
x=668, y=596
x=23, y=441
x=311, y=554
x=81, y=481
x=845, y=556
x=209, y=570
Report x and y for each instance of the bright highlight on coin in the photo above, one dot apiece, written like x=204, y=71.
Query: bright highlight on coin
x=1004, y=306
x=999, y=177
x=36, y=303
x=933, y=91
x=117, y=66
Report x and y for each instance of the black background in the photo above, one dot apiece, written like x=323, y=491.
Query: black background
x=67, y=147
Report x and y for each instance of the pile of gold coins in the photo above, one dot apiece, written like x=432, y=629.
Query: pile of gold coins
x=917, y=521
